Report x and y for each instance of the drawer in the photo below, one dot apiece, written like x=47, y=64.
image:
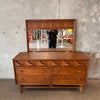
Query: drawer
x=32, y=71
x=69, y=63
x=34, y=63
x=68, y=80
x=33, y=79
x=69, y=71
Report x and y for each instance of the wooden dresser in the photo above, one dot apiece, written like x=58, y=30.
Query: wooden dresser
x=51, y=70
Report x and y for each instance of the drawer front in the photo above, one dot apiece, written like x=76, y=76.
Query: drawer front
x=32, y=71
x=33, y=80
x=34, y=63
x=69, y=63
x=68, y=80
x=69, y=71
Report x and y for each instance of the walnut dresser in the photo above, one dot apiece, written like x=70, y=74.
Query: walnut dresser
x=51, y=70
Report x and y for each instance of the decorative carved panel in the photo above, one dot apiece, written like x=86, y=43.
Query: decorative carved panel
x=33, y=63
x=69, y=63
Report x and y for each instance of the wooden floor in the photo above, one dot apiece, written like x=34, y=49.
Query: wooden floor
x=10, y=91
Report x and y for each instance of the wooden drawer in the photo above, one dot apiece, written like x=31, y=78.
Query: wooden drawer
x=69, y=63
x=68, y=80
x=33, y=79
x=69, y=71
x=32, y=71
x=33, y=63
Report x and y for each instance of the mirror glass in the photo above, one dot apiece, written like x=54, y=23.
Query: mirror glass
x=50, y=38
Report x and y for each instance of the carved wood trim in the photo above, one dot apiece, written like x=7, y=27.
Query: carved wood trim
x=50, y=24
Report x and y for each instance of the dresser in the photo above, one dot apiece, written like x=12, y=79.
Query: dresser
x=51, y=70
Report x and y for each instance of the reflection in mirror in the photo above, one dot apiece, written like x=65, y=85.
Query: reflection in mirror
x=54, y=38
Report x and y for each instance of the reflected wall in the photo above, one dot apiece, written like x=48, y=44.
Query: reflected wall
x=39, y=38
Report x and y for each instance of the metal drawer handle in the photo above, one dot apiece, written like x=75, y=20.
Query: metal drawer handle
x=44, y=71
x=79, y=79
x=22, y=79
x=80, y=71
x=57, y=79
x=21, y=71
x=44, y=79
x=57, y=71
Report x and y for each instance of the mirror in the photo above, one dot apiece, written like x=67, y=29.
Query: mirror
x=50, y=38
x=51, y=35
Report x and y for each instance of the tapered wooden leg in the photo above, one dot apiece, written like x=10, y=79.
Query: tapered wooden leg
x=21, y=88
x=81, y=89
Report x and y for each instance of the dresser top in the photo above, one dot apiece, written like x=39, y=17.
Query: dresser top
x=51, y=56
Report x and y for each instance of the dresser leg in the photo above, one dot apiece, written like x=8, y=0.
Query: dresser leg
x=81, y=89
x=21, y=88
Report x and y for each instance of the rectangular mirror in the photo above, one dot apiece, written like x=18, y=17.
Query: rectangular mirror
x=41, y=38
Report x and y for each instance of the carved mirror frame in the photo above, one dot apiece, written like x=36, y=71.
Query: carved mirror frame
x=51, y=24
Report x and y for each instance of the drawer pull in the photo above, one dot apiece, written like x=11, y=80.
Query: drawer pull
x=57, y=71
x=21, y=71
x=22, y=79
x=44, y=71
x=79, y=79
x=80, y=71
x=57, y=79
x=44, y=79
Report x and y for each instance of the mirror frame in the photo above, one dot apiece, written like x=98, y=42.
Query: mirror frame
x=51, y=24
